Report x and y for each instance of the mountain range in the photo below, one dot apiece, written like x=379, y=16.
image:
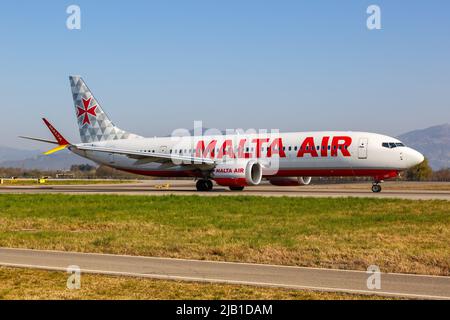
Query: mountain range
x=433, y=142
x=34, y=159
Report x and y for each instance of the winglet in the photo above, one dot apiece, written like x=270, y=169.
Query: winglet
x=63, y=143
x=61, y=140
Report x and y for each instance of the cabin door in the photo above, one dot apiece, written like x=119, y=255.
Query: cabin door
x=362, y=148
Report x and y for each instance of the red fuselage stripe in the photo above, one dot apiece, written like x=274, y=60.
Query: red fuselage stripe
x=381, y=173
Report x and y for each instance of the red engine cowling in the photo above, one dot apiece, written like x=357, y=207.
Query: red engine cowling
x=290, y=182
x=238, y=173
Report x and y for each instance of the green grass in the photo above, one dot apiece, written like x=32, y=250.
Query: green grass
x=39, y=284
x=352, y=233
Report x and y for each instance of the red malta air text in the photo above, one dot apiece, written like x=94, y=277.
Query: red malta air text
x=229, y=170
x=264, y=147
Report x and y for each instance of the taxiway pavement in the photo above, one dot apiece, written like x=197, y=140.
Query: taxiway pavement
x=333, y=280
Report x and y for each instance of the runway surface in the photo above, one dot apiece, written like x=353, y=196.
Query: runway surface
x=403, y=285
x=152, y=187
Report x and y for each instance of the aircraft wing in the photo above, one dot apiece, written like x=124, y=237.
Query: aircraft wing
x=144, y=157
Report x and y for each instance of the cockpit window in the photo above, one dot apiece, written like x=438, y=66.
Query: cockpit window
x=392, y=145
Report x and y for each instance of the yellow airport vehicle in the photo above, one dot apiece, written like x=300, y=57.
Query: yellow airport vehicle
x=162, y=186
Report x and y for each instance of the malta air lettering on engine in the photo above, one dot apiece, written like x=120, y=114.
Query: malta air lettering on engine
x=266, y=147
x=229, y=170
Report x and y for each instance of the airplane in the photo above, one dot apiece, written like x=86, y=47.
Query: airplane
x=233, y=160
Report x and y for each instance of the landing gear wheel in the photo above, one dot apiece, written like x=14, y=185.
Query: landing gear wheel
x=204, y=185
x=376, y=188
x=235, y=188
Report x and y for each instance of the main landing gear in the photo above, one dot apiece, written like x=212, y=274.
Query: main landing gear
x=204, y=185
x=376, y=187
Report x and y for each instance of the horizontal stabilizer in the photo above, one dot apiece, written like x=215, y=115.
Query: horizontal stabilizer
x=39, y=139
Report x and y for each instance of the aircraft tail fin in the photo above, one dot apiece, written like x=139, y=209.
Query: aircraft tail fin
x=93, y=123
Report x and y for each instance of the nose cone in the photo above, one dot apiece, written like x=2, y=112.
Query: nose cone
x=415, y=157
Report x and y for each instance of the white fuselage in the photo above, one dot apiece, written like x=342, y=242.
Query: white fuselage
x=326, y=153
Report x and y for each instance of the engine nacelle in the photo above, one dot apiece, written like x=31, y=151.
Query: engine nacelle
x=290, y=181
x=238, y=174
x=304, y=180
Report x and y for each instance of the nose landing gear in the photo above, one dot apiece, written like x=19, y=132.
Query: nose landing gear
x=204, y=185
x=376, y=187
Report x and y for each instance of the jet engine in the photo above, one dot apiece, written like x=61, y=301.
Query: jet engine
x=290, y=181
x=304, y=181
x=238, y=173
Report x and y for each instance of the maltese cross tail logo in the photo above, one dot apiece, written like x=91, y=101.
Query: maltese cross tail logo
x=86, y=111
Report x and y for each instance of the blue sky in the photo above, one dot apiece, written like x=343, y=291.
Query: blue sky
x=291, y=65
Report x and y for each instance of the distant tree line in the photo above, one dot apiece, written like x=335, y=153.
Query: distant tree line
x=23, y=173
x=423, y=172
x=83, y=171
